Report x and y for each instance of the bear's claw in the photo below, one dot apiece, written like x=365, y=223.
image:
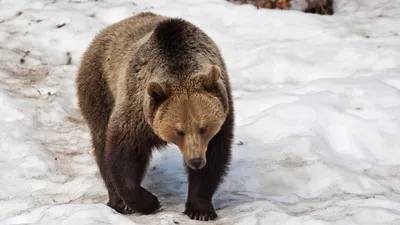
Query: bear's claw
x=122, y=208
x=202, y=216
x=142, y=201
x=200, y=213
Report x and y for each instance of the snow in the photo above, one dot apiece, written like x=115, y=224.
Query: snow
x=317, y=101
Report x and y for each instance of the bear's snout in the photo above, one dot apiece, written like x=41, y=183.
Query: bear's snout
x=197, y=163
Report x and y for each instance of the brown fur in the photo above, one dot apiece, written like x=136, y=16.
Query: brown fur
x=147, y=81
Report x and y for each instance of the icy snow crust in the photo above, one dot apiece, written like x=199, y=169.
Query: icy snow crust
x=317, y=102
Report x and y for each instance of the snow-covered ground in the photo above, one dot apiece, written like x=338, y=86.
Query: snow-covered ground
x=317, y=102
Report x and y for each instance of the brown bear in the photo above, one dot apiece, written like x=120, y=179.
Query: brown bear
x=148, y=81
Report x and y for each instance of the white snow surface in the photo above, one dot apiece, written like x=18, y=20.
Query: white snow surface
x=317, y=102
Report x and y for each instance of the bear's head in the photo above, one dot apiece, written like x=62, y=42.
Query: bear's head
x=188, y=115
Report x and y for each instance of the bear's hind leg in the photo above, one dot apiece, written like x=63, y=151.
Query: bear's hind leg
x=98, y=143
x=127, y=165
x=95, y=103
x=114, y=200
x=204, y=182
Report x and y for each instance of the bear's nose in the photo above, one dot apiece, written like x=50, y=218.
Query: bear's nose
x=196, y=162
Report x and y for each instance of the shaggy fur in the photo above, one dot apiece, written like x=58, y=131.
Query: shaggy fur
x=140, y=75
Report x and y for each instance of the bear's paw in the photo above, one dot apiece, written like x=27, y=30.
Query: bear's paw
x=121, y=207
x=200, y=211
x=143, y=201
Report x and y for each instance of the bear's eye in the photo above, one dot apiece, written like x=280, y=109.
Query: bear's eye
x=180, y=133
x=202, y=130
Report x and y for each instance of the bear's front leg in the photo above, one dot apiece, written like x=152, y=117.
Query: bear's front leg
x=127, y=165
x=204, y=182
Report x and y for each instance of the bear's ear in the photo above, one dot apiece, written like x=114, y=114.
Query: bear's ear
x=212, y=82
x=214, y=74
x=156, y=91
x=212, y=77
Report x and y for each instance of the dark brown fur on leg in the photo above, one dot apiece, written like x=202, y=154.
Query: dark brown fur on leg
x=204, y=182
x=97, y=120
x=114, y=201
x=127, y=164
x=92, y=91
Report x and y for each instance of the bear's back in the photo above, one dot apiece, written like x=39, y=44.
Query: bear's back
x=120, y=41
x=150, y=46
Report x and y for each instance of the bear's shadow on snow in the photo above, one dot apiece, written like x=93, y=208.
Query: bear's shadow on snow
x=167, y=179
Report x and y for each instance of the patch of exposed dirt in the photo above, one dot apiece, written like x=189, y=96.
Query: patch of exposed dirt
x=323, y=7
